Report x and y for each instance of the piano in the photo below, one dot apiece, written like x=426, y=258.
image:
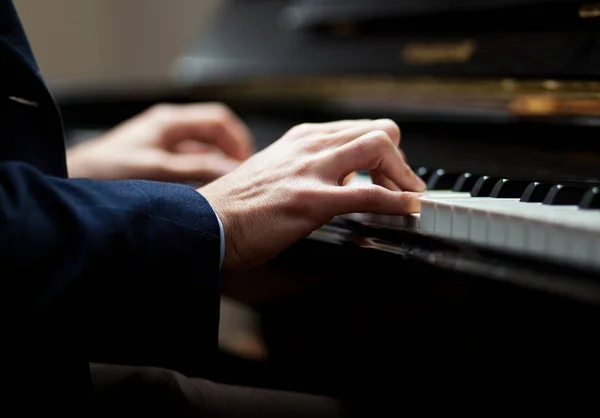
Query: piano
x=495, y=284
x=455, y=71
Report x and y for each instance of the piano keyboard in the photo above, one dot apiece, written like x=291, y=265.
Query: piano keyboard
x=542, y=219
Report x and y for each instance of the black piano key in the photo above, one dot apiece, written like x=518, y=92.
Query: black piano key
x=424, y=173
x=564, y=194
x=442, y=180
x=591, y=199
x=465, y=182
x=509, y=188
x=484, y=186
x=536, y=192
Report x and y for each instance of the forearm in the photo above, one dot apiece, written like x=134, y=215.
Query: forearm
x=81, y=162
x=75, y=163
x=58, y=235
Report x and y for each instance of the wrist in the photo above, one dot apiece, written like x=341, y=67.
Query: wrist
x=221, y=240
x=91, y=160
x=77, y=163
x=225, y=222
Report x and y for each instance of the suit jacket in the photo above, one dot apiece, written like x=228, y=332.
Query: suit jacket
x=90, y=270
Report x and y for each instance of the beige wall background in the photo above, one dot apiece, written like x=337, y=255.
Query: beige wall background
x=112, y=40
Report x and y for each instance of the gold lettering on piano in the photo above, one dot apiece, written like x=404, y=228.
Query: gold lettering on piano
x=511, y=96
x=538, y=105
x=589, y=10
x=438, y=52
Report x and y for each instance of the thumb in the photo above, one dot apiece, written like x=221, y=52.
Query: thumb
x=374, y=199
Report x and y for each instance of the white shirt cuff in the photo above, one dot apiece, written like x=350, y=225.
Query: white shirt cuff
x=222, y=241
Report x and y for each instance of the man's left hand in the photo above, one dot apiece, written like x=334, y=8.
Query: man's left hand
x=180, y=143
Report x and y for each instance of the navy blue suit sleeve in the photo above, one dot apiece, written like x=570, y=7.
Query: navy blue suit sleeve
x=64, y=242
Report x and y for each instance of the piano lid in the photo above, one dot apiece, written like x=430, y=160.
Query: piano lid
x=311, y=14
x=494, y=58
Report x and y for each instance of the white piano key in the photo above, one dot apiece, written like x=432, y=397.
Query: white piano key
x=562, y=233
x=359, y=180
x=578, y=236
x=581, y=245
x=565, y=233
x=525, y=228
x=516, y=234
x=595, y=253
x=478, y=230
x=427, y=220
x=436, y=214
x=497, y=228
x=440, y=213
x=472, y=220
x=461, y=224
x=446, y=194
x=536, y=236
x=443, y=220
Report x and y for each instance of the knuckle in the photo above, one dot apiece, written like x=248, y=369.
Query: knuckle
x=378, y=139
x=364, y=197
x=161, y=111
x=312, y=144
x=220, y=111
x=331, y=138
x=371, y=194
x=391, y=128
x=301, y=129
x=308, y=202
x=157, y=377
x=218, y=125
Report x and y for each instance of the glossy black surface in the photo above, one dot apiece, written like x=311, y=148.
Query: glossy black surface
x=465, y=182
x=369, y=303
x=591, y=199
x=467, y=259
x=565, y=194
x=424, y=173
x=483, y=186
x=313, y=14
x=390, y=318
x=509, y=188
x=442, y=180
x=559, y=46
x=536, y=192
x=351, y=300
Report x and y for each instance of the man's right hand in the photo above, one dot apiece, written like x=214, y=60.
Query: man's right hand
x=296, y=185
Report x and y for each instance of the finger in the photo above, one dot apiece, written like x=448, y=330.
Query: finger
x=377, y=178
x=348, y=178
x=381, y=179
x=374, y=152
x=351, y=133
x=192, y=147
x=197, y=167
x=403, y=154
x=325, y=127
x=212, y=124
x=373, y=199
